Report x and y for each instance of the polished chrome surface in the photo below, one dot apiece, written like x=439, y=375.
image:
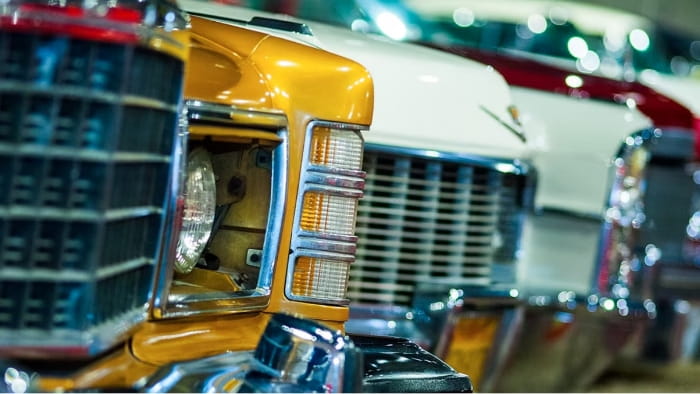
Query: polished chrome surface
x=165, y=306
x=87, y=156
x=293, y=355
x=393, y=321
x=517, y=131
x=573, y=338
x=343, y=191
x=428, y=216
x=315, y=245
x=202, y=111
x=331, y=181
x=222, y=373
x=322, y=179
x=444, y=307
x=617, y=272
x=302, y=356
x=171, y=230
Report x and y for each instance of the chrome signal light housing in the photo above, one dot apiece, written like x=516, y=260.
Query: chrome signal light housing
x=624, y=217
x=324, y=241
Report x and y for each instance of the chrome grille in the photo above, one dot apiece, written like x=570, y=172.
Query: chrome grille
x=432, y=219
x=87, y=131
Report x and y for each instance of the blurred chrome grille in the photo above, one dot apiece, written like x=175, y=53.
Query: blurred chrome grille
x=432, y=219
x=87, y=131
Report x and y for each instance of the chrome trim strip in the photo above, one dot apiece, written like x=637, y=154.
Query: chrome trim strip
x=335, y=181
x=320, y=254
x=58, y=152
x=167, y=245
x=77, y=92
x=324, y=246
x=337, y=171
x=217, y=304
x=518, y=133
x=201, y=111
x=508, y=166
x=69, y=275
x=344, y=302
x=21, y=212
x=330, y=237
x=327, y=245
x=335, y=191
x=278, y=197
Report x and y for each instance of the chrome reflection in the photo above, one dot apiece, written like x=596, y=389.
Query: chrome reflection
x=293, y=355
x=301, y=355
x=618, y=260
x=17, y=381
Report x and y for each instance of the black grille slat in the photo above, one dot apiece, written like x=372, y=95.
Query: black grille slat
x=425, y=218
x=85, y=152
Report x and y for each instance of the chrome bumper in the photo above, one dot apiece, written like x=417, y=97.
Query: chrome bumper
x=298, y=355
x=573, y=339
x=471, y=328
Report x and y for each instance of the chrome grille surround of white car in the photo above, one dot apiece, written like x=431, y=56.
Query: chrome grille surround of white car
x=432, y=216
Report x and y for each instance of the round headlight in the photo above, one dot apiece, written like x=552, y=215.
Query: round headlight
x=198, y=213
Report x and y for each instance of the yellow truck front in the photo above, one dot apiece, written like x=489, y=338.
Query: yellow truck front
x=150, y=236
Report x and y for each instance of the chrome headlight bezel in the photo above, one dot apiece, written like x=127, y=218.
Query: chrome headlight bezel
x=163, y=304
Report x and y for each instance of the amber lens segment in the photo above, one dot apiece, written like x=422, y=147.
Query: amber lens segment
x=320, y=278
x=336, y=148
x=328, y=214
x=471, y=344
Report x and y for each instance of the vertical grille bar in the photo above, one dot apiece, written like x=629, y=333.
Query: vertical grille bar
x=428, y=225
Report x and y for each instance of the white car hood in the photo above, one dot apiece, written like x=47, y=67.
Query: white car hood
x=574, y=142
x=424, y=99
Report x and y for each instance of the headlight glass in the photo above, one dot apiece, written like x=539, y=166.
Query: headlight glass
x=198, y=213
